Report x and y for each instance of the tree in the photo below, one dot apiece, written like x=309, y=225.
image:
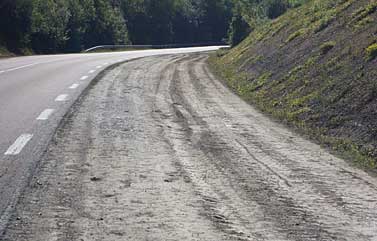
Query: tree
x=80, y=12
x=248, y=14
x=106, y=25
x=15, y=24
x=49, y=20
x=239, y=29
x=275, y=8
x=215, y=18
x=50, y=26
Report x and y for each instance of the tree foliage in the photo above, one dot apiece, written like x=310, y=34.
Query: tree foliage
x=50, y=26
x=15, y=23
x=247, y=14
x=177, y=21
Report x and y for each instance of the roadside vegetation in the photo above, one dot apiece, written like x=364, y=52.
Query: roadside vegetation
x=314, y=67
x=4, y=52
x=310, y=63
x=52, y=26
x=249, y=14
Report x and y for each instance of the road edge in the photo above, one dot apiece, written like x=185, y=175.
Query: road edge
x=8, y=212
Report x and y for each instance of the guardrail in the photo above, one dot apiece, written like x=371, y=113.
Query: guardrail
x=165, y=46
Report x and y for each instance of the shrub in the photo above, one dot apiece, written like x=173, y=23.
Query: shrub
x=371, y=51
x=327, y=46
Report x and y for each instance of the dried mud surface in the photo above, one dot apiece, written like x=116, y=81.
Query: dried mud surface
x=159, y=149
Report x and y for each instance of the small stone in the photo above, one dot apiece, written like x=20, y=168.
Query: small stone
x=95, y=179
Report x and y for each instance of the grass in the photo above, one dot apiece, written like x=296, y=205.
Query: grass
x=346, y=148
x=295, y=35
x=327, y=46
x=311, y=68
x=363, y=12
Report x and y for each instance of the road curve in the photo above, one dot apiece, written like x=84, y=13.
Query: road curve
x=159, y=149
x=35, y=93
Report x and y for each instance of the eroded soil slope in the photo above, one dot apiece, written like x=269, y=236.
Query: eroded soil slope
x=159, y=149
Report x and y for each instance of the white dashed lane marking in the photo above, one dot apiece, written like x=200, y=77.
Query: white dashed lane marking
x=91, y=71
x=84, y=77
x=17, y=68
x=61, y=98
x=99, y=66
x=74, y=86
x=45, y=114
x=18, y=145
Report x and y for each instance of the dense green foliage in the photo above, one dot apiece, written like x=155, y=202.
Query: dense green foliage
x=248, y=14
x=177, y=21
x=49, y=26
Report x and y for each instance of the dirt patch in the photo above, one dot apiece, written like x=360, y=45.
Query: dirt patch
x=159, y=149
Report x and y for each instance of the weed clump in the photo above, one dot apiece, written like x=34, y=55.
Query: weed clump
x=294, y=35
x=371, y=51
x=364, y=12
x=327, y=46
x=322, y=24
x=362, y=16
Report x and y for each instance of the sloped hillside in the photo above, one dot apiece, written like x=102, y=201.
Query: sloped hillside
x=314, y=67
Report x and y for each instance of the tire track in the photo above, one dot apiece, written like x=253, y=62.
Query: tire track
x=159, y=149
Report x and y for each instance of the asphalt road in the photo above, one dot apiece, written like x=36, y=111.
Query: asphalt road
x=35, y=93
x=159, y=149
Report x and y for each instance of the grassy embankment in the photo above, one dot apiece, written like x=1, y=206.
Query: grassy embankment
x=314, y=68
